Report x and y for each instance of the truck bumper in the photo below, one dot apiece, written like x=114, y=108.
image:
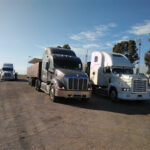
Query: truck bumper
x=131, y=96
x=7, y=78
x=73, y=94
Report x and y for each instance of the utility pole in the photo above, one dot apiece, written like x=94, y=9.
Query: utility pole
x=139, y=40
x=139, y=53
x=86, y=56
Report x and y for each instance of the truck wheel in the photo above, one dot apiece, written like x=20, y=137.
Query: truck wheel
x=113, y=95
x=37, y=85
x=52, y=94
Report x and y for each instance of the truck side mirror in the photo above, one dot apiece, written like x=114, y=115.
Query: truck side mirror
x=107, y=70
x=47, y=66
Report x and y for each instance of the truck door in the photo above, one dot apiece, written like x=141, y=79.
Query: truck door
x=94, y=70
x=45, y=67
x=107, y=74
x=50, y=70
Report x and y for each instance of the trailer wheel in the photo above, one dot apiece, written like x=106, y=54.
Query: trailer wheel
x=113, y=95
x=37, y=85
x=52, y=94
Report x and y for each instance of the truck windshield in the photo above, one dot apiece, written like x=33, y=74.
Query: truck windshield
x=64, y=52
x=67, y=64
x=7, y=69
x=122, y=71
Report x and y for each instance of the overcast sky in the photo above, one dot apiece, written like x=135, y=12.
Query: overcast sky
x=27, y=26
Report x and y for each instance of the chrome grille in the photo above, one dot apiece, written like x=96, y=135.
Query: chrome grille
x=139, y=86
x=77, y=83
x=7, y=75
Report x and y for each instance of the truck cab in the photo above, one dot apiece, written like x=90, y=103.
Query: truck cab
x=61, y=75
x=8, y=72
x=114, y=73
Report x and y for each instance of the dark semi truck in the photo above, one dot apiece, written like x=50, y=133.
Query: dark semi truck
x=59, y=73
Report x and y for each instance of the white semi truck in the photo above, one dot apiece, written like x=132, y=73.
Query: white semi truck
x=112, y=74
x=8, y=72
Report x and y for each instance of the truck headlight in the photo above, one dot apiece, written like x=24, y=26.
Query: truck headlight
x=60, y=88
x=125, y=89
x=89, y=89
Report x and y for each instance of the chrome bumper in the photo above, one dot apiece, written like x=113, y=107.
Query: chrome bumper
x=131, y=96
x=72, y=94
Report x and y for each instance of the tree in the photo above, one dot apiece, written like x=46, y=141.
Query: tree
x=147, y=61
x=127, y=48
x=59, y=46
x=65, y=46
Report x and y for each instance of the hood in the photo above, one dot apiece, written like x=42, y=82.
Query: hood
x=67, y=72
x=133, y=76
x=126, y=80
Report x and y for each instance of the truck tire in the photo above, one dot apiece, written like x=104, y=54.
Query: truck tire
x=52, y=94
x=38, y=85
x=113, y=95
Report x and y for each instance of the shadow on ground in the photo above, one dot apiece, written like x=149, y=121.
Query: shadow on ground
x=18, y=80
x=22, y=80
x=98, y=102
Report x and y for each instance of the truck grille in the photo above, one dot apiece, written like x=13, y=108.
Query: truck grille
x=7, y=75
x=78, y=83
x=139, y=86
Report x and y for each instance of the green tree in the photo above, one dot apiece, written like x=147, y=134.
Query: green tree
x=66, y=46
x=59, y=46
x=127, y=48
x=147, y=61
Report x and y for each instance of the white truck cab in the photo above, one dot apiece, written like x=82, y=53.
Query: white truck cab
x=8, y=72
x=114, y=73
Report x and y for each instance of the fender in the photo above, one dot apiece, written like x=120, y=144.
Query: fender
x=112, y=85
x=56, y=82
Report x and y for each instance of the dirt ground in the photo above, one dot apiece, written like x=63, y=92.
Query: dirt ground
x=30, y=121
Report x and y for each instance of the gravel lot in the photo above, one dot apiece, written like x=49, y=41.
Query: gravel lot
x=30, y=121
